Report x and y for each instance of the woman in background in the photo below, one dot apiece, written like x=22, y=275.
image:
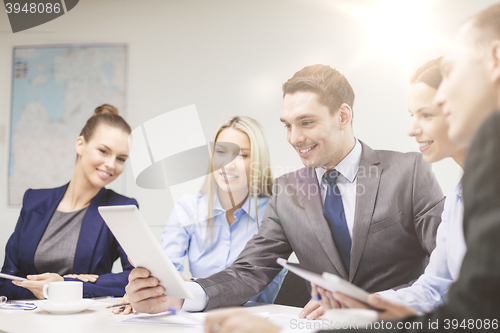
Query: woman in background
x=60, y=234
x=213, y=226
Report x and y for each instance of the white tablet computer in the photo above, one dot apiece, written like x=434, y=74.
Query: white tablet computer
x=134, y=236
x=327, y=281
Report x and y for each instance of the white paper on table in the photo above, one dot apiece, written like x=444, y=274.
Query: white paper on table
x=285, y=321
x=166, y=318
x=100, y=303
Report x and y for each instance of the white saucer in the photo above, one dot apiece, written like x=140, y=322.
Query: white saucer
x=65, y=308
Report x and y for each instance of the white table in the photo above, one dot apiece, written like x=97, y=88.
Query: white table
x=99, y=319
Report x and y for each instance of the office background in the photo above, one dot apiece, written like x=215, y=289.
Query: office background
x=230, y=57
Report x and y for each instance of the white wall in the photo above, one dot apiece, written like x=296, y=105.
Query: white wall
x=230, y=57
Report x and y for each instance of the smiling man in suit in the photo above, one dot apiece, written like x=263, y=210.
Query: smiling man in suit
x=367, y=215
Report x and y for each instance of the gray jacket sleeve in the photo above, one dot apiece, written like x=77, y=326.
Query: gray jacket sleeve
x=254, y=268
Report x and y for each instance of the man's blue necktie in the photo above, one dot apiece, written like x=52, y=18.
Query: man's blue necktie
x=333, y=210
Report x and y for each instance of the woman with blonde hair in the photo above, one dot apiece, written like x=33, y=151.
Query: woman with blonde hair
x=213, y=226
x=60, y=234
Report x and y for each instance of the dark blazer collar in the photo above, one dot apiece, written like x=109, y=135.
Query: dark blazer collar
x=309, y=195
x=368, y=154
x=368, y=179
x=41, y=217
x=53, y=199
x=91, y=228
x=306, y=183
x=92, y=225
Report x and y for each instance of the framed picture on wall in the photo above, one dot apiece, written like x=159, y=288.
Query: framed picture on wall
x=55, y=89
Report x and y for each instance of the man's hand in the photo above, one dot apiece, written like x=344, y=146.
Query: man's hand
x=83, y=277
x=314, y=308
x=237, y=320
x=126, y=309
x=327, y=301
x=145, y=295
x=388, y=310
x=35, y=283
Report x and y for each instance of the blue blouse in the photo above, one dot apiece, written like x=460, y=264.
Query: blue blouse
x=431, y=288
x=186, y=234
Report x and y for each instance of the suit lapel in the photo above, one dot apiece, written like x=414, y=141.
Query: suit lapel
x=314, y=210
x=368, y=180
x=89, y=234
x=41, y=217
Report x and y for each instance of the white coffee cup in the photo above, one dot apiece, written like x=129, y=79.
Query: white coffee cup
x=349, y=318
x=63, y=292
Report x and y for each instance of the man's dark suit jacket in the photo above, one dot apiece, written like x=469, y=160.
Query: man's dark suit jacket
x=398, y=209
x=96, y=250
x=475, y=297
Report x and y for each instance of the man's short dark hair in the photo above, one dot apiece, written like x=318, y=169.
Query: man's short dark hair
x=332, y=88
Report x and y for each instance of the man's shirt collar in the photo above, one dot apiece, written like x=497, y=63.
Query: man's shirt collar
x=348, y=167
